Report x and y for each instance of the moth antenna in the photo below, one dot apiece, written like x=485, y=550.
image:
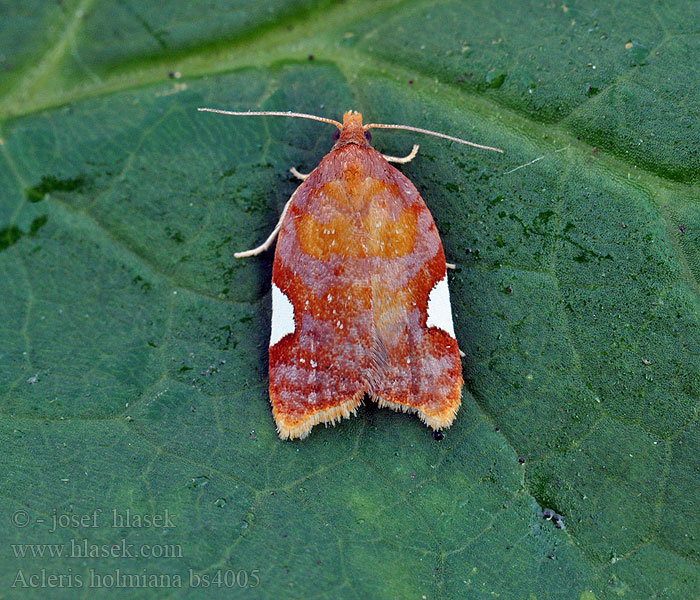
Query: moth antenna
x=269, y=113
x=428, y=132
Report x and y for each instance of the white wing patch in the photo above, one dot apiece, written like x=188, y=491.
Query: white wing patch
x=439, y=309
x=282, y=316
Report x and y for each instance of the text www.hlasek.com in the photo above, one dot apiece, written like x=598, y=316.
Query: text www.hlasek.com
x=84, y=549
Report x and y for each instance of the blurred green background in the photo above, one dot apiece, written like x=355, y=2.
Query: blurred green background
x=133, y=347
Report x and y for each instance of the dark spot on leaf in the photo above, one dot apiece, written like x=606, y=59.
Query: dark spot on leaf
x=176, y=236
x=10, y=236
x=495, y=80
x=37, y=224
x=50, y=183
x=543, y=217
x=438, y=436
x=144, y=285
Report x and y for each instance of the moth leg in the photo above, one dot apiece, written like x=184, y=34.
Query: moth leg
x=298, y=175
x=268, y=242
x=404, y=159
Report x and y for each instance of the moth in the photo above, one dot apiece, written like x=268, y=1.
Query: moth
x=360, y=302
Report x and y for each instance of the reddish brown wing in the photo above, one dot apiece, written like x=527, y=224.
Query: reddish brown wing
x=360, y=300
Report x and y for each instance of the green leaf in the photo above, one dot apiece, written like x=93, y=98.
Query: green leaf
x=133, y=347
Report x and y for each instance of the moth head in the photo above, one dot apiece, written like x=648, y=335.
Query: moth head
x=352, y=131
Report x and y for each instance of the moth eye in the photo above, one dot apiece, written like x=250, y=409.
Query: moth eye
x=336, y=135
x=368, y=136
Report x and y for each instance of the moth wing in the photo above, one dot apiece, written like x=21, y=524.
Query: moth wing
x=319, y=334
x=416, y=360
